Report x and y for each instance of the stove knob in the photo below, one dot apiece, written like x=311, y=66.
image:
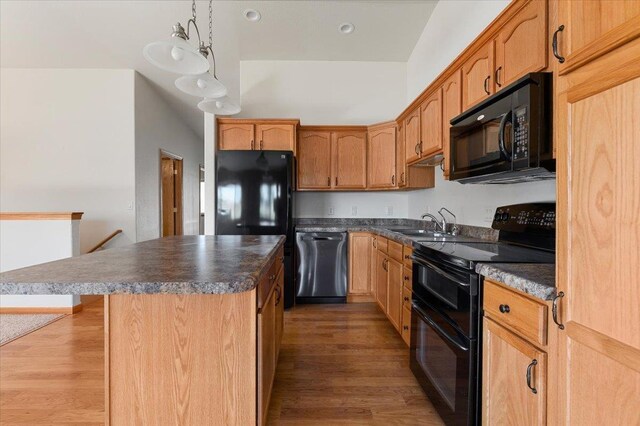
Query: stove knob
x=505, y=216
x=497, y=217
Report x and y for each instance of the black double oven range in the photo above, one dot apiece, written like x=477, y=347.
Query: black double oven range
x=446, y=315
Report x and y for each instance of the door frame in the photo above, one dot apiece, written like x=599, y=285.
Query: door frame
x=180, y=216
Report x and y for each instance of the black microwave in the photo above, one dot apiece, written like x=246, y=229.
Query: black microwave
x=508, y=137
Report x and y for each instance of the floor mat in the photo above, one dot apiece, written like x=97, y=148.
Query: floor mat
x=13, y=326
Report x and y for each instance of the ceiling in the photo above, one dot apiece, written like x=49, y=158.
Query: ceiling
x=112, y=33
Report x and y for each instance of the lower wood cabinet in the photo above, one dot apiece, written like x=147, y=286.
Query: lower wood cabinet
x=382, y=279
x=360, y=288
x=394, y=293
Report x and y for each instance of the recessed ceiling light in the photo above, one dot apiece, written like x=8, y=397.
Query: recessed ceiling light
x=346, y=28
x=252, y=15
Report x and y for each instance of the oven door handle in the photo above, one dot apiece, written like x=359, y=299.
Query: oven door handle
x=437, y=328
x=503, y=123
x=440, y=271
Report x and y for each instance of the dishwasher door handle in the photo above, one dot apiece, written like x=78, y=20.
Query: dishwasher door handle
x=321, y=238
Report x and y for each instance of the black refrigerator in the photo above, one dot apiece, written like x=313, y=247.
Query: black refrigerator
x=254, y=196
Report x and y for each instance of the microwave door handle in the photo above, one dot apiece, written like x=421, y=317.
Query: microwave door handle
x=423, y=315
x=503, y=123
x=439, y=271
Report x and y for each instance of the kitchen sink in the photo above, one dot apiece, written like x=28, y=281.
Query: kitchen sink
x=419, y=232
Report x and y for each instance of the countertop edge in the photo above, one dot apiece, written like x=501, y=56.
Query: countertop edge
x=544, y=292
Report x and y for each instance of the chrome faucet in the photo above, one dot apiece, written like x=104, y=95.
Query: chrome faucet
x=454, y=228
x=442, y=226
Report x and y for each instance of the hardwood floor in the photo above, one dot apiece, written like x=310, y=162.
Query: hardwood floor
x=339, y=364
x=345, y=364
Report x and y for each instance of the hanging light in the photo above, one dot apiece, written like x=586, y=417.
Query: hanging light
x=220, y=106
x=176, y=54
x=203, y=86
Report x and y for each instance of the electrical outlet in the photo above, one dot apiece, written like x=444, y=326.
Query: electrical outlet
x=130, y=206
x=332, y=211
x=488, y=214
x=389, y=210
x=354, y=211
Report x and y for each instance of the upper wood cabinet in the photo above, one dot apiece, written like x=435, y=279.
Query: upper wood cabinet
x=431, y=125
x=250, y=134
x=451, y=107
x=349, y=150
x=235, y=136
x=314, y=159
x=401, y=162
x=477, y=76
x=412, y=136
x=521, y=45
x=382, y=156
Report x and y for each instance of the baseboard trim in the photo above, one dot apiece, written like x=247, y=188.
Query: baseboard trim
x=41, y=310
x=360, y=298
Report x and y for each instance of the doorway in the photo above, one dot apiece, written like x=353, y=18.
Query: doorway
x=170, y=194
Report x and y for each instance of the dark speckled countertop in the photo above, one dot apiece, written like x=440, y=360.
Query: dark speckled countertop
x=193, y=264
x=538, y=280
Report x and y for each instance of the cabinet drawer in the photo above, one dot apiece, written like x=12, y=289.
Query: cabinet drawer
x=380, y=243
x=406, y=325
x=268, y=280
x=406, y=298
x=407, y=278
x=518, y=313
x=395, y=250
x=406, y=258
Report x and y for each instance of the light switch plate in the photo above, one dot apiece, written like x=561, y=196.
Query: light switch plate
x=332, y=211
x=389, y=210
x=354, y=211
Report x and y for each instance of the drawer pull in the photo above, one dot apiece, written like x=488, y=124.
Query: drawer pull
x=406, y=298
x=405, y=327
x=505, y=309
x=554, y=310
x=406, y=277
x=529, y=368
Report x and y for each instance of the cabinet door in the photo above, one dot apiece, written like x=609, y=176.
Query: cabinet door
x=406, y=325
x=431, y=125
x=381, y=280
x=451, y=107
x=279, y=320
x=266, y=354
x=314, y=160
x=477, y=77
x=598, y=182
x=401, y=162
x=382, y=158
x=349, y=160
x=359, y=263
x=521, y=45
x=394, y=296
x=373, y=266
x=511, y=367
x=275, y=137
x=412, y=136
x=235, y=136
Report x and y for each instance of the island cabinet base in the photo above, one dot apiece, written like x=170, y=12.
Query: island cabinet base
x=180, y=359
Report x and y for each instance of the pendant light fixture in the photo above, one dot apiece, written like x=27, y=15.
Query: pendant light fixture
x=220, y=106
x=176, y=54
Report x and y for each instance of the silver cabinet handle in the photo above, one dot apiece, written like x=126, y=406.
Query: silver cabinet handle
x=554, y=310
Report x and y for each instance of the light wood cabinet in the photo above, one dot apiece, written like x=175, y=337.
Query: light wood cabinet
x=477, y=76
x=349, y=152
x=233, y=136
x=431, y=125
x=401, y=161
x=394, y=292
x=314, y=159
x=381, y=155
x=256, y=134
x=266, y=354
x=360, y=254
x=279, y=310
x=412, y=136
x=521, y=45
x=276, y=137
x=382, y=279
x=451, y=107
x=513, y=379
x=598, y=187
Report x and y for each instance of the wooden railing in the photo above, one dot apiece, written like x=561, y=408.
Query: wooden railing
x=105, y=241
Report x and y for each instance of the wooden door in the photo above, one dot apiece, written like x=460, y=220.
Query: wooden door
x=171, y=199
x=511, y=369
x=382, y=158
x=276, y=137
x=599, y=234
x=394, y=296
x=314, y=160
x=266, y=354
x=381, y=280
x=349, y=159
x=412, y=136
x=401, y=162
x=431, y=125
x=477, y=76
x=521, y=45
x=451, y=107
x=360, y=249
x=235, y=136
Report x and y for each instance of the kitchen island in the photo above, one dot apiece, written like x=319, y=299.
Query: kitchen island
x=192, y=324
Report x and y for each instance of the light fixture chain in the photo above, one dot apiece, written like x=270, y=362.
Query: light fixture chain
x=210, y=23
x=193, y=9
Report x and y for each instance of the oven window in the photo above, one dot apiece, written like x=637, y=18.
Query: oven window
x=438, y=362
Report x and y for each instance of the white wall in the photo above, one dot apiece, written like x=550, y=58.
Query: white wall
x=451, y=28
x=67, y=144
x=329, y=92
x=209, y=174
x=158, y=127
x=30, y=242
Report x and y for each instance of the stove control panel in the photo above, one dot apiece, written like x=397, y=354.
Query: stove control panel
x=525, y=217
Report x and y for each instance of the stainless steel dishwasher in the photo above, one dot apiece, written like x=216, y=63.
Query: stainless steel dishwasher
x=322, y=267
